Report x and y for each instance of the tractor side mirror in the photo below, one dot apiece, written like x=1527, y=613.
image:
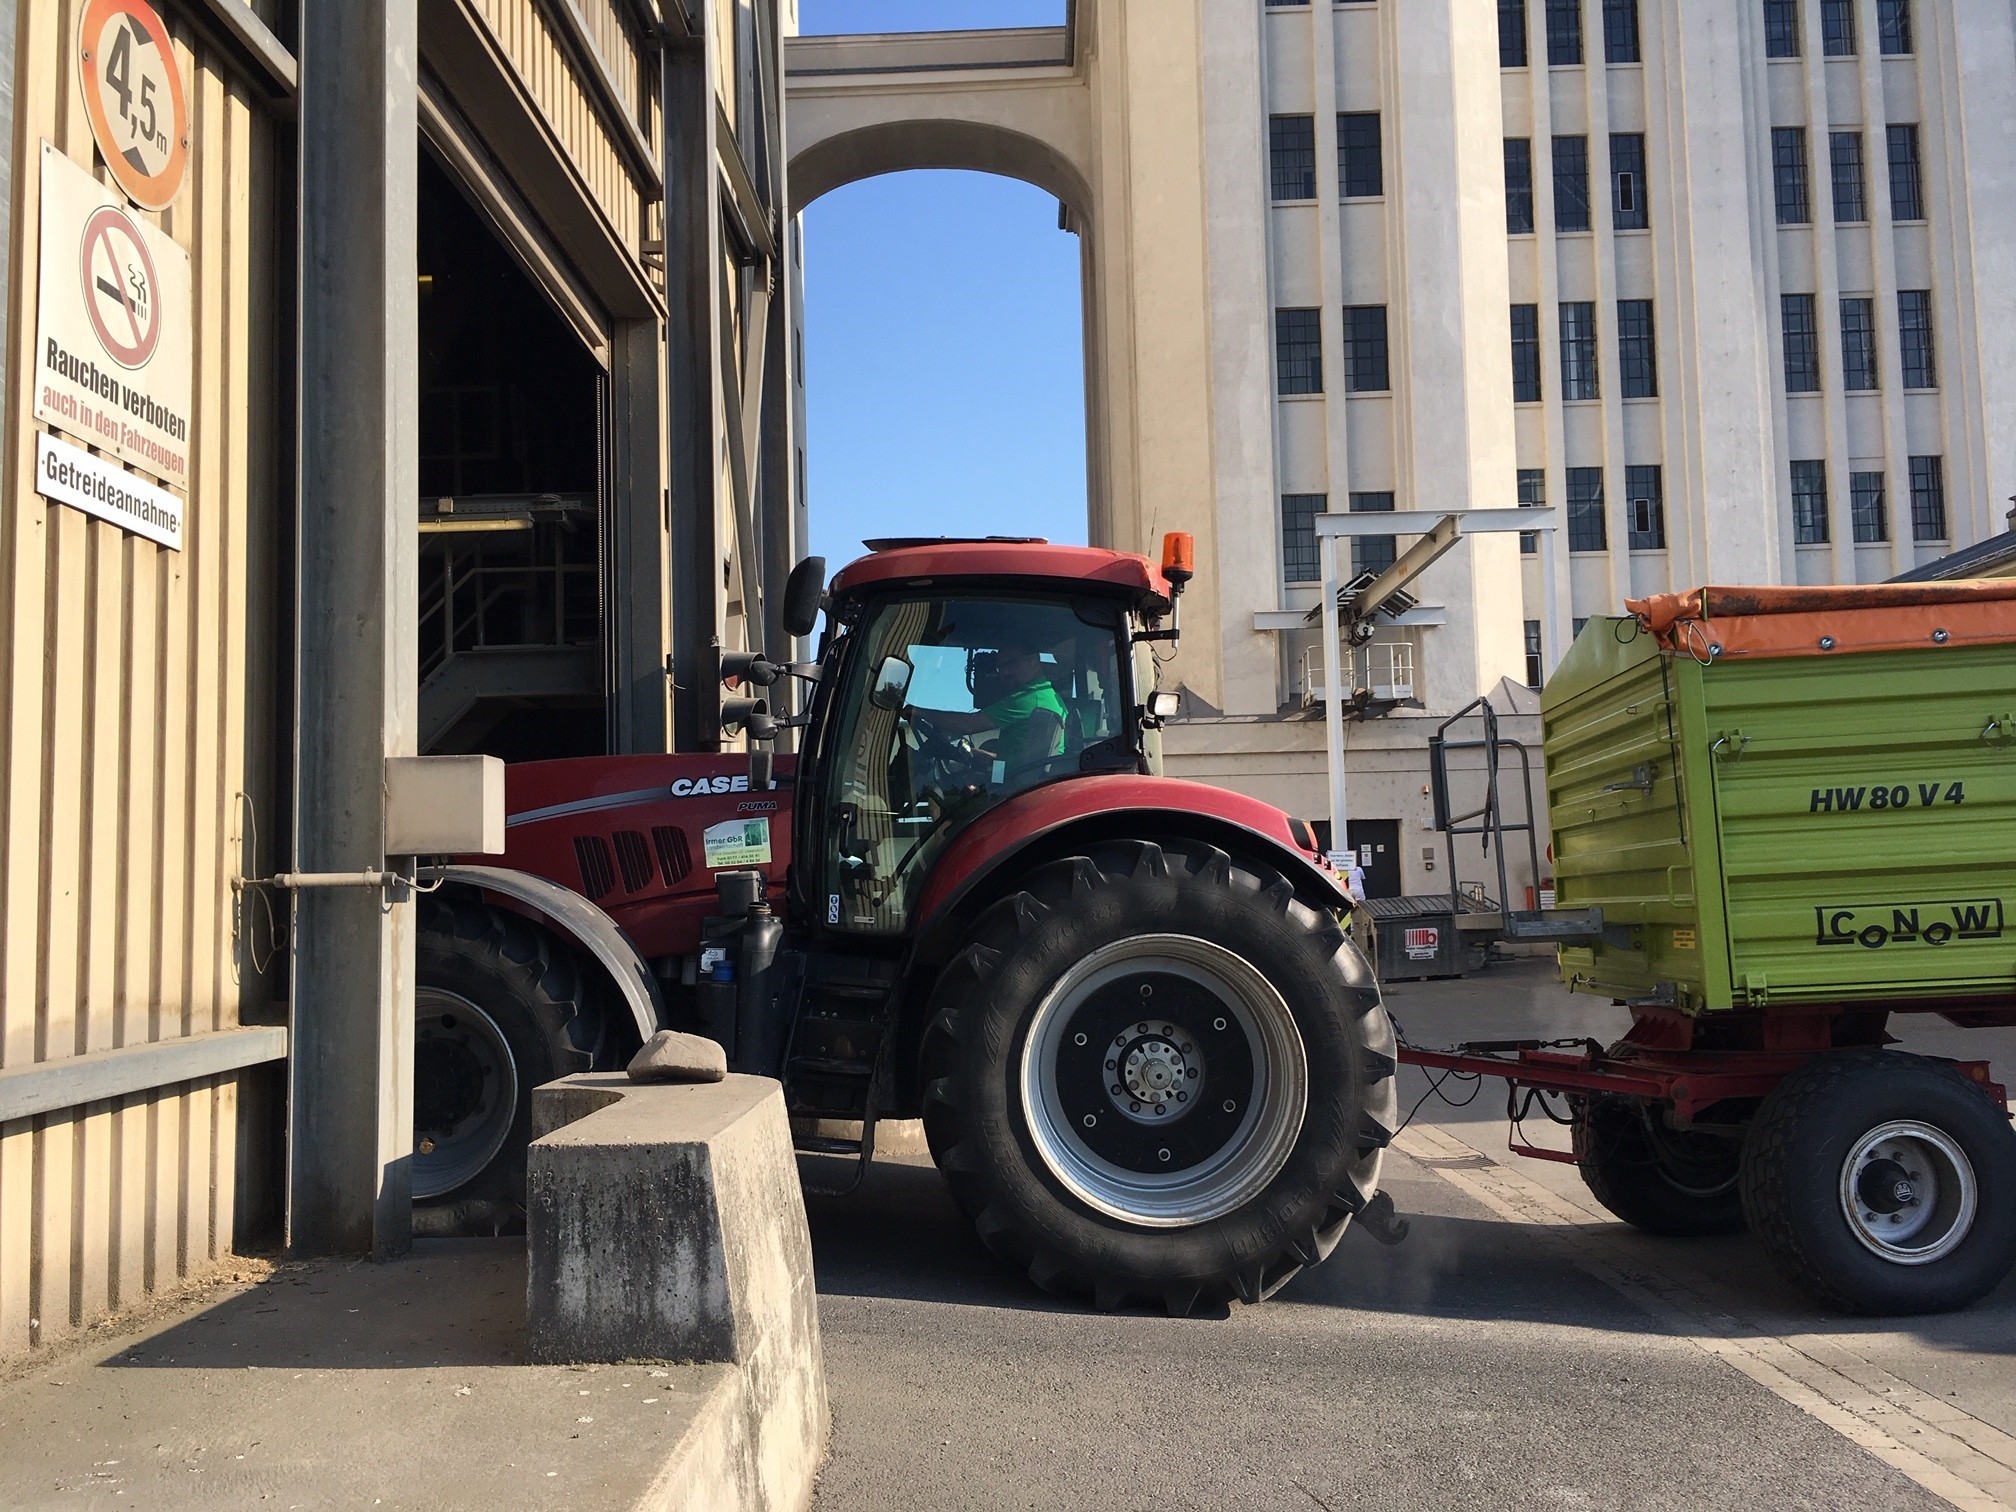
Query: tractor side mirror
x=892, y=682
x=802, y=592
x=747, y=714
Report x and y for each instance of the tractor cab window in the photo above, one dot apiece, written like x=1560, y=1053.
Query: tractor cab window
x=948, y=706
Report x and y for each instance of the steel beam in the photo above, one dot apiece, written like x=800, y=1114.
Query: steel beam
x=640, y=598
x=351, y=1069
x=693, y=398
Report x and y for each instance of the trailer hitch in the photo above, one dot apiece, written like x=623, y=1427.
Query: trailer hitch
x=1379, y=1220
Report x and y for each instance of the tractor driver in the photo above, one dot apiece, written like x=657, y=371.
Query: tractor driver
x=1021, y=703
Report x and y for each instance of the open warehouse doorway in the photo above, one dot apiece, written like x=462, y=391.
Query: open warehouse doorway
x=513, y=501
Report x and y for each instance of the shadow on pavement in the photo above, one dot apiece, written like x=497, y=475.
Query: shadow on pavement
x=451, y=1302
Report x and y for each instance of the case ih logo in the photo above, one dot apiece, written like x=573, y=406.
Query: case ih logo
x=1875, y=925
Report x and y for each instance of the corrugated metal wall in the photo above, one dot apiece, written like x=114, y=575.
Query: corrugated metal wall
x=527, y=38
x=124, y=739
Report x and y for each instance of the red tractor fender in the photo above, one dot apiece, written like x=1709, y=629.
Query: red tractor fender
x=1048, y=821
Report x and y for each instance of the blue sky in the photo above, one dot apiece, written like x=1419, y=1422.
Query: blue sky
x=944, y=352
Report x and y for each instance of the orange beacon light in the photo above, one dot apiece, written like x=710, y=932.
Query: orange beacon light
x=1178, y=559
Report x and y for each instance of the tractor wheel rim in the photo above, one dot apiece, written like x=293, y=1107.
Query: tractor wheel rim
x=1908, y=1192
x=465, y=1092
x=1164, y=1081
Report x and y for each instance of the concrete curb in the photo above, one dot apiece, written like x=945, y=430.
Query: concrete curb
x=664, y=1221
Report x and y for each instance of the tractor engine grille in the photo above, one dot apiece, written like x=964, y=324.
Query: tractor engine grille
x=634, y=857
x=675, y=858
x=598, y=876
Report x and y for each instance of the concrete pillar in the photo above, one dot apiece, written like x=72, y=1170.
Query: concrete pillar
x=1452, y=360
x=351, y=1106
x=639, y=607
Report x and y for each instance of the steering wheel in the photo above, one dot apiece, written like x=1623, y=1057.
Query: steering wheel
x=947, y=761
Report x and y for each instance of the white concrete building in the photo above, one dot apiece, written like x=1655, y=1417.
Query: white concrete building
x=1729, y=285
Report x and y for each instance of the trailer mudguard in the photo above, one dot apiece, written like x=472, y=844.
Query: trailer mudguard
x=578, y=921
x=1044, y=821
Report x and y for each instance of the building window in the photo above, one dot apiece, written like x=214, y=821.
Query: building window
x=1532, y=495
x=1365, y=349
x=1291, y=156
x=1525, y=354
x=1914, y=338
x=1645, y=507
x=1586, y=529
x=1511, y=33
x=1519, y=185
x=1358, y=168
x=1272, y=3
x=1928, y=499
x=1301, y=562
x=1850, y=204
x=1578, y=350
x=1627, y=181
x=1637, y=349
x=1893, y=27
x=1865, y=508
x=1571, y=183
x=1837, y=28
x=1858, y=344
x=1620, y=31
x=1298, y=351
x=1532, y=653
x=1907, y=185
x=1371, y=553
x=1809, y=503
x=1781, y=28
x=1788, y=175
x=1564, y=33
x=1802, y=343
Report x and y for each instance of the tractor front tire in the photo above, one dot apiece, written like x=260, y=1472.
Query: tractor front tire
x=1154, y=1075
x=1665, y=1181
x=500, y=1006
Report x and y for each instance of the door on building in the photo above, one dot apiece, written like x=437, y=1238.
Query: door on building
x=1377, y=842
x=513, y=430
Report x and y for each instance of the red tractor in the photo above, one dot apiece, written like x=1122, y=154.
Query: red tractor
x=1149, y=1060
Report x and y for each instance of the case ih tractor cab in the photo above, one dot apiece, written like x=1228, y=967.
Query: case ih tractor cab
x=1149, y=1061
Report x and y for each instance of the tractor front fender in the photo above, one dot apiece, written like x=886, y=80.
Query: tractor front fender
x=579, y=922
x=1056, y=820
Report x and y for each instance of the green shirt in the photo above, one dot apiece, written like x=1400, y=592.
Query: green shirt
x=1009, y=714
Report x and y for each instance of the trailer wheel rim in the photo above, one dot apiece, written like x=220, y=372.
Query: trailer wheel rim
x=465, y=1092
x=1908, y=1192
x=1164, y=1081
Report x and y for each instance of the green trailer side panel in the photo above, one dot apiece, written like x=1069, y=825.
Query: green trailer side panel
x=1627, y=828
x=1868, y=831
x=1783, y=830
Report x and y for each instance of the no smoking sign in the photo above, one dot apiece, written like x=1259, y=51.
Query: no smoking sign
x=119, y=288
x=134, y=99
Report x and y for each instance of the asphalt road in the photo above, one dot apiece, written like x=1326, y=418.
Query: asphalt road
x=1516, y=1349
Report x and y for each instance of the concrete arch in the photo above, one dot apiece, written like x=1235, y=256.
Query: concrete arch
x=1013, y=103
x=896, y=146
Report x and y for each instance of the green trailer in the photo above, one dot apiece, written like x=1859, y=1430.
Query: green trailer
x=1779, y=817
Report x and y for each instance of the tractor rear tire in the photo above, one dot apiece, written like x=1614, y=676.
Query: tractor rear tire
x=1155, y=1075
x=500, y=1006
x=1671, y=1182
x=1883, y=1183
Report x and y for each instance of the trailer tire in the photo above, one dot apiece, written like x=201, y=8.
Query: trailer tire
x=1268, y=1016
x=500, y=1006
x=1675, y=1183
x=1883, y=1183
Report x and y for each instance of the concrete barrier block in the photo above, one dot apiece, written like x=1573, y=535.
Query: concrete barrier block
x=664, y=1221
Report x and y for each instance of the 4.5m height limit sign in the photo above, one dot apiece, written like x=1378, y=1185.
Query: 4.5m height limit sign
x=114, y=334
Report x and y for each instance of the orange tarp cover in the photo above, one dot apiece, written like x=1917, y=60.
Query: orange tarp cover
x=1711, y=623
